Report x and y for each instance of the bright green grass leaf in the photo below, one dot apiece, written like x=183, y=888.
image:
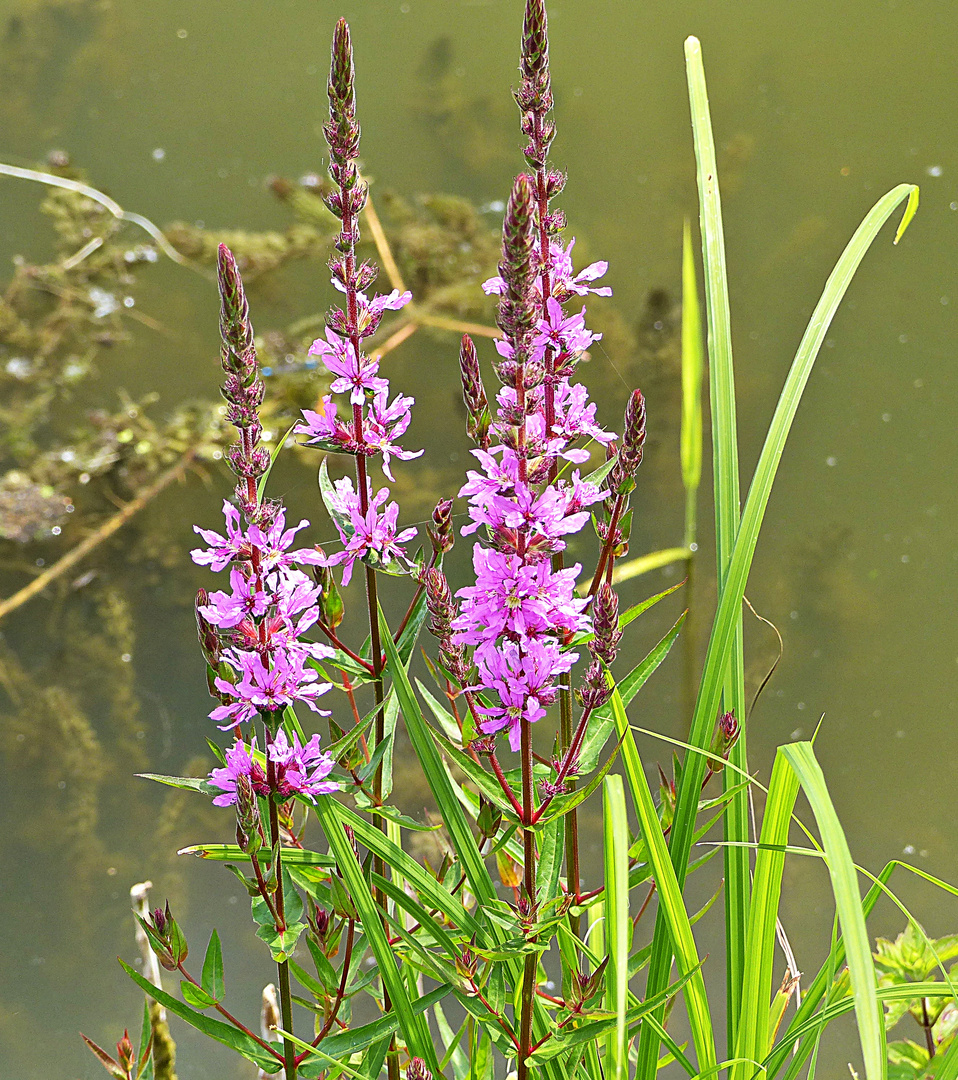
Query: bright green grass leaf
x=413, y=1027
x=670, y=894
x=848, y=904
x=753, y=1031
x=615, y=833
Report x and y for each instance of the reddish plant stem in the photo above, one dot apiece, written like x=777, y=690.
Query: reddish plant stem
x=341, y=991
x=331, y=634
x=506, y=787
x=282, y=969
x=232, y=1019
x=372, y=599
x=608, y=545
x=529, y=876
x=567, y=762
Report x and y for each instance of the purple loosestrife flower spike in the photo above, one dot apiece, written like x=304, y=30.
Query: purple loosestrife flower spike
x=342, y=134
x=517, y=305
x=416, y=1070
x=605, y=624
x=633, y=441
x=474, y=394
x=534, y=95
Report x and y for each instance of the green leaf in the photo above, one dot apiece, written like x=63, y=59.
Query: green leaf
x=602, y=723
x=487, y=784
x=615, y=831
x=212, y=977
x=911, y=208
x=725, y=629
x=187, y=783
x=670, y=894
x=420, y=735
x=412, y=1026
x=328, y=492
x=549, y=866
x=196, y=995
x=753, y=1024
x=848, y=904
x=215, y=1029
x=234, y=853
x=273, y=455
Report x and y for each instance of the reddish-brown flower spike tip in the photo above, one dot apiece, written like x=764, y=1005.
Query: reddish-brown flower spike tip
x=235, y=326
x=517, y=307
x=535, y=40
x=341, y=71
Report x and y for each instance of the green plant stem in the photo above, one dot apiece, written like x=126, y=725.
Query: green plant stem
x=608, y=545
x=282, y=969
x=529, y=872
x=238, y=1024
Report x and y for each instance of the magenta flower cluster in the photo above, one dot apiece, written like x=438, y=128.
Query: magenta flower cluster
x=521, y=611
x=298, y=769
x=366, y=520
x=262, y=619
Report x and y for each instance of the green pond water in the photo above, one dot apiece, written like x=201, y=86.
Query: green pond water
x=182, y=110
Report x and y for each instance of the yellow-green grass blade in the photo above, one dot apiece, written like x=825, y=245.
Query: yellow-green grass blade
x=615, y=824
x=752, y=1026
x=693, y=366
x=848, y=904
x=671, y=905
x=727, y=503
x=728, y=615
x=414, y=1028
x=645, y=564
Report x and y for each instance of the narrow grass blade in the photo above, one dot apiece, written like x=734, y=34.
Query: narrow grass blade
x=421, y=738
x=725, y=469
x=615, y=828
x=693, y=366
x=414, y=1028
x=671, y=906
x=728, y=617
x=848, y=903
x=645, y=564
x=752, y=1026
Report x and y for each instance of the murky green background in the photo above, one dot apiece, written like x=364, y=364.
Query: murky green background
x=819, y=108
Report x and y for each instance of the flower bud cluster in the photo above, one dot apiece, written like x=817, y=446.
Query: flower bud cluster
x=242, y=388
x=371, y=424
x=603, y=647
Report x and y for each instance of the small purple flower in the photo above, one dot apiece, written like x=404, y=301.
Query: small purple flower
x=301, y=770
x=373, y=537
x=356, y=376
x=240, y=761
x=326, y=428
x=274, y=543
x=384, y=424
x=259, y=688
x=229, y=609
x=223, y=549
x=523, y=677
x=567, y=335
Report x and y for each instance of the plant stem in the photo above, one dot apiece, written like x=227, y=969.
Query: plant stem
x=529, y=871
x=282, y=969
x=238, y=1024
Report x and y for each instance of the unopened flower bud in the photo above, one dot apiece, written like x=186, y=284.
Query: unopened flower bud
x=605, y=624
x=467, y=963
x=633, y=441
x=473, y=394
x=239, y=355
x=125, y=1054
x=331, y=607
x=416, y=1070
x=489, y=818
x=724, y=738
x=440, y=528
